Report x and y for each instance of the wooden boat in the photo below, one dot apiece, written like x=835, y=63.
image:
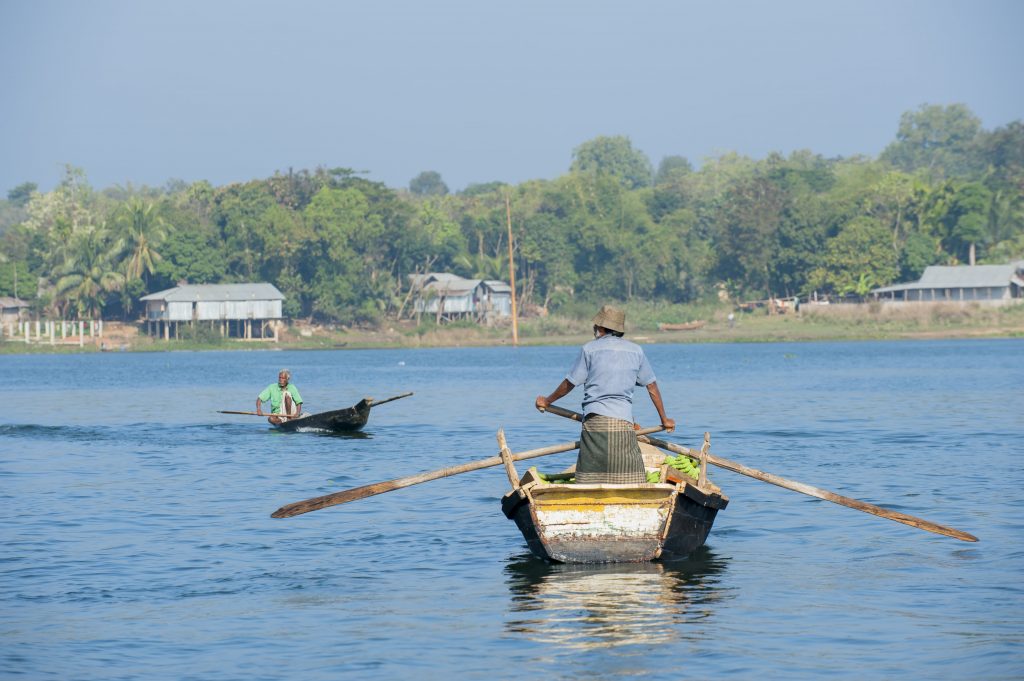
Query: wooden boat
x=345, y=420
x=577, y=523
x=688, y=326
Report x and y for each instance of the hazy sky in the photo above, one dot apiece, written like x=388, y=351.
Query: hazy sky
x=141, y=92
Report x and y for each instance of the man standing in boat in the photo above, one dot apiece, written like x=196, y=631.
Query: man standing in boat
x=609, y=367
x=285, y=401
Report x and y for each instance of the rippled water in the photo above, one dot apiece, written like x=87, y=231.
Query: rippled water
x=137, y=541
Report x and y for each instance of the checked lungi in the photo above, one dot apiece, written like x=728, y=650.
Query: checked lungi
x=609, y=452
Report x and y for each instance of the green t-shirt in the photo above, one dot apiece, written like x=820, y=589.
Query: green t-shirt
x=275, y=395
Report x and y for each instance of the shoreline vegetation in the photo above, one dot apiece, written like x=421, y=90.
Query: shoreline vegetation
x=689, y=241
x=846, y=322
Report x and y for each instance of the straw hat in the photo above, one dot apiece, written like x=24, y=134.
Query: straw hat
x=611, y=318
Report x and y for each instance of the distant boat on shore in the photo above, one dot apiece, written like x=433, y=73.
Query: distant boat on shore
x=688, y=326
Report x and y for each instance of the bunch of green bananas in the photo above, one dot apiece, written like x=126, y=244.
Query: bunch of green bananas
x=684, y=464
x=544, y=479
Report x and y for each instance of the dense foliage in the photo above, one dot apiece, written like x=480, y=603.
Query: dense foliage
x=342, y=248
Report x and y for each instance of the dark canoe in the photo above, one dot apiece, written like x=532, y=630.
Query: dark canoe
x=345, y=420
x=337, y=421
x=574, y=523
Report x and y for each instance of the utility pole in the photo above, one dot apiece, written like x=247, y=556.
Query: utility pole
x=511, y=272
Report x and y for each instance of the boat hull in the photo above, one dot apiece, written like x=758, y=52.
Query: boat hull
x=345, y=420
x=574, y=523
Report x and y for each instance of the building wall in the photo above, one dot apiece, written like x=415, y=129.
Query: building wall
x=179, y=312
x=955, y=294
x=213, y=310
x=452, y=304
x=11, y=315
x=501, y=304
x=914, y=303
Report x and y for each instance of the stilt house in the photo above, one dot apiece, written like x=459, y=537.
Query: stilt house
x=245, y=311
x=449, y=297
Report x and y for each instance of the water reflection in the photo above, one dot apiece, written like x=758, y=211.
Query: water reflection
x=598, y=606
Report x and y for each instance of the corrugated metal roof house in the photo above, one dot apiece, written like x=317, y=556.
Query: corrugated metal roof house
x=12, y=309
x=243, y=310
x=449, y=296
x=496, y=298
x=988, y=283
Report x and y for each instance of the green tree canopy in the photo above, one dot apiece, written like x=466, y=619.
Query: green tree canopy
x=672, y=168
x=428, y=183
x=857, y=259
x=21, y=194
x=614, y=156
x=936, y=139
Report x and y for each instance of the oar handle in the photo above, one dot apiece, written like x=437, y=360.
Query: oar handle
x=566, y=413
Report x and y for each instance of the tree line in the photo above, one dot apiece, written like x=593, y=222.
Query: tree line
x=341, y=247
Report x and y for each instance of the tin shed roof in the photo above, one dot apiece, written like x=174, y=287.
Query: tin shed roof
x=498, y=286
x=966, y=276
x=454, y=287
x=190, y=293
x=961, y=276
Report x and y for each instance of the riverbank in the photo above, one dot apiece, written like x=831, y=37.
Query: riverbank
x=812, y=323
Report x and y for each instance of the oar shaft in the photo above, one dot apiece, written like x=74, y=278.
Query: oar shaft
x=253, y=413
x=816, y=492
x=377, y=403
x=345, y=496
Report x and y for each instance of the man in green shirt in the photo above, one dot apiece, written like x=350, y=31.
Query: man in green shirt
x=285, y=401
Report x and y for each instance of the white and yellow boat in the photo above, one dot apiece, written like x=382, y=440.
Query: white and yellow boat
x=585, y=523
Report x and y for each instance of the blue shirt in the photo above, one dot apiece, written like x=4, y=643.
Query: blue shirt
x=610, y=368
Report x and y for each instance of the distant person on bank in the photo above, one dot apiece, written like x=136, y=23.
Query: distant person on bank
x=609, y=367
x=285, y=401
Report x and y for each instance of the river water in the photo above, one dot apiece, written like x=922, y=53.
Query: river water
x=137, y=541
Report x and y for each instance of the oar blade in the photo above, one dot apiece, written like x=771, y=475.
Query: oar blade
x=343, y=497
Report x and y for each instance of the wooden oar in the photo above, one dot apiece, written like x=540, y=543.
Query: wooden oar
x=816, y=492
x=343, y=497
x=371, y=403
x=377, y=403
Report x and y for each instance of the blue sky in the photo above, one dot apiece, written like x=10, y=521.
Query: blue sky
x=229, y=90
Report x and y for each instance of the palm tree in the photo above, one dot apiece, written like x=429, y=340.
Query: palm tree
x=482, y=266
x=89, y=272
x=141, y=229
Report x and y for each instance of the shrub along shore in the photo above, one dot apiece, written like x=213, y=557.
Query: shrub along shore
x=812, y=323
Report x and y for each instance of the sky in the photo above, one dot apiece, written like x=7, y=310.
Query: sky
x=142, y=92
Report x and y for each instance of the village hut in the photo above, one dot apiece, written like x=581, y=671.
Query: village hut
x=988, y=284
x=245, y=311
x=12, y=310
x=450, y=297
